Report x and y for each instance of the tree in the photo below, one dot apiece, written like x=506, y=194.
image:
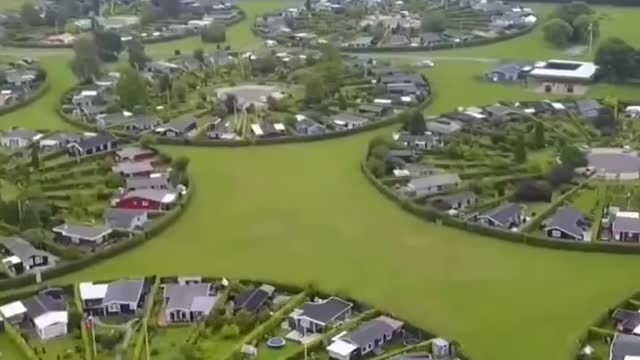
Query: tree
x=314, y=91
x=559, y=175
x=245, y=320
x=265, y=64
x=570, y=11
x=86, y=64
x=137, y=55
x=617, y=60
x=531, y=190
x=231, y=103
x=148, y=14
x=35, y=155
x=377, y=31
x=380, y=151
x=179, y=91
x=584, y=27
x=198, y=54
x=169, y=8
x=520, y=150
x=109, y=44
x=416, y=124
x=434, y=22
x=230, y=331
x=214, y=33
x=573, y=157
x=331, y=68
x=376, y=166
x=558, y=32
x=538, y=136
x=113, y=181
x=131, y=89
x=180, y=164
x=30, y=15
x=164, y=86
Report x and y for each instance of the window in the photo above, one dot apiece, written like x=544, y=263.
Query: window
x=114, y=308
x=145, y=203
x=556, y=233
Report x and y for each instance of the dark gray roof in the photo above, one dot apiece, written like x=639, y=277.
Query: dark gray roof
x=505, y=212
x=349, y=118
x=88, y=232
x=123, y=291
x=371, y=330
x=132, y=167
x=454, y=199
x=398, y=39
x=251, y=299
x=509, y=69
x=42, y=304
x=588, y=105
x=435, y=180
x=132, y=152
x=144, y=121
x=95, y=141
x=625, y=345
x=569, y=220
x=627, y=224
x=180, y=125
x=189, y=297
x=22, y=248
x=121, y=218
x=372, y=108
x=428, y=37
x=415, y=79
x=147, y=182
x=25, y=134
x=361, y=41
x=325, y=311
x=500, y=110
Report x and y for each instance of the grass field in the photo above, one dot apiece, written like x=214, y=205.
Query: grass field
x=300, y=213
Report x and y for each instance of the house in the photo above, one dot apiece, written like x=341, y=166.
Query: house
x=625, y=225
x=406, y=155
x=266, y=130
x=139, y=124
x=91, y=296
x=123, y=297
x=361, y=42
x=133, y=168
x=349, y=121
x=398, y=40
x=59, y=141
x=506, y=72
x=186, y=303
x=374, y=110
x=568, y=223
x=306, y=126
x=98, y=144
x=422, y=142
x=14, y=312
x=18, y=138
x=589, y=108
x=501, y=112
x=134, y=153
x=125, y=219
x=109, y=120
x=627, y=321
x=48, y=315
x=507, y=216
x=431, y=185
x=148, y=199
x=402, y=78
x=20, y=77
x=177, y=128
x=431, y=38
x=624, y=347
x=368, y=338
x=253, y=299
x=458, y=201
x=443, y=126
x=564, y=71
x=412, y=170
x=162, y=68
x=154, y=181
x=24, y=256
x=221, y=130
x=319, y=316
x=79, y=234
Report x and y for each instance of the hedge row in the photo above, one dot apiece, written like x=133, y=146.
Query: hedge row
x=433, y=215
x=139, y=341
x=84, y=334
x=19, y=341
x=30, y=98
x=63, y=269
x=68, y=185
x=534, y=223
x=423, y=346
x=274, y=321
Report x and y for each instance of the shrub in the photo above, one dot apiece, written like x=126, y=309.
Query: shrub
x=230, y=331
x=531, y=190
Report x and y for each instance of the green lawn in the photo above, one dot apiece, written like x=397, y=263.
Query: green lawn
x=8, y=350
x=300, y=213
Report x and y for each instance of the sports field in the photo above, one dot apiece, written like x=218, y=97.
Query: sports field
x=301, y=213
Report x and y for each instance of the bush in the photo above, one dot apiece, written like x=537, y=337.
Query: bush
x=531, y=190
x=214, y=33
x=230, y=331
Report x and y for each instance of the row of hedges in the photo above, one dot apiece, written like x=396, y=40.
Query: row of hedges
x=534, y=223
x=84, y=334
x=429, y=214
x=30, y=98
x=139, y=341
x=157, y=226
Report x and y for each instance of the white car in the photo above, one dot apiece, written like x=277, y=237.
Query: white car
x=425, y=63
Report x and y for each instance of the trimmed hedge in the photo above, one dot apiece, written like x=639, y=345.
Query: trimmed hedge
x=84, y=334
x=139, y=341
x=423, y=346
x=433, y=215
x=30, y=98
x=19, y=341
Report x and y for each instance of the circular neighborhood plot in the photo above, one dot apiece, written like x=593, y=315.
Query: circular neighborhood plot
x=251, y=95
x=233, y=317
x=615, y=163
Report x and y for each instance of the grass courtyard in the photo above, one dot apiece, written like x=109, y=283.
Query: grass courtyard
x=301, y=213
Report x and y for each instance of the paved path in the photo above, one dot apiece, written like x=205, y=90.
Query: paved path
x=128, y=333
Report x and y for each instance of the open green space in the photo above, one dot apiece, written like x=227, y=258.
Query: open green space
x=8, y=349
x=301, y=213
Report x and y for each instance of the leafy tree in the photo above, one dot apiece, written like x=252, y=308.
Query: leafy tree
x=434, y=22
x=573, y=157
x=86, y=64
x=520, y=150
x=137, y=55
x=109, y=44
x=342, y=102
x=30, y=15
x=148, y=14
x=331, y=68
x=214, y=33
x=180, y=164
x=179, y=91
x=148, y=139
x=377, y=31
x=617, y=60
x=570, y=11
x=558, y=32
x=245, y=320
x=230, y=331
x=164, y=86
x=113, y=181
x=376, y=166
x=72, y=28
x=538, y=137
x=30, y=218
x=265, y=64
x=35, y=155
x=531, y=190
x=560, y=174
x=380, y=151
x=416, y=124
x=583, y=27
x=131, y=89
x=314, y=91
x=198, y=54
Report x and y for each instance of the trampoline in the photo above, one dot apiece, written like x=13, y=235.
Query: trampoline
x=276, y=342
